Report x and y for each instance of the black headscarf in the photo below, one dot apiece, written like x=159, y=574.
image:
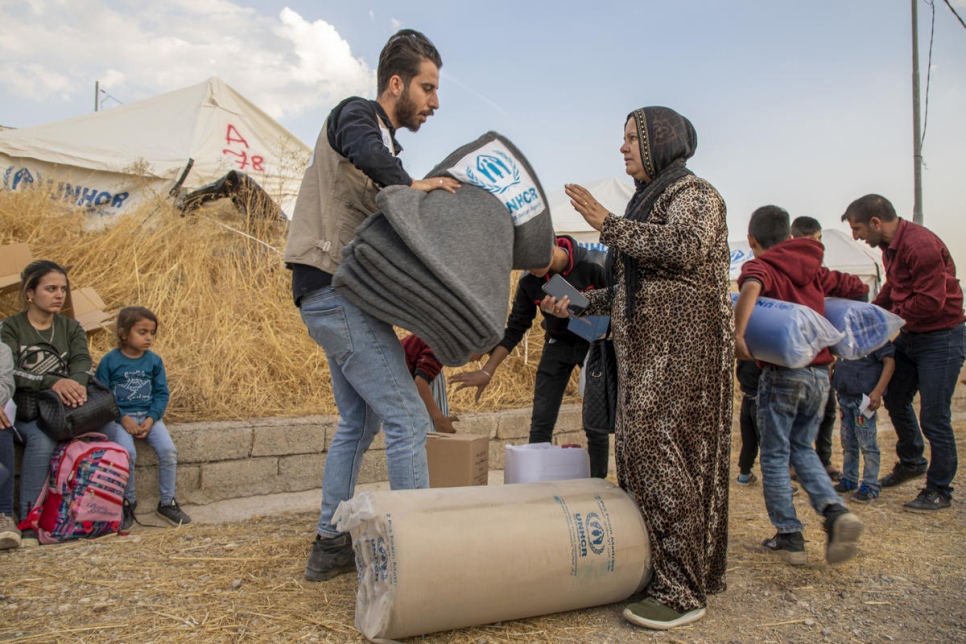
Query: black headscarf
x=667, y=141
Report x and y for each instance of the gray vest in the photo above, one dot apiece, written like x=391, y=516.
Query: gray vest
x=335, y=197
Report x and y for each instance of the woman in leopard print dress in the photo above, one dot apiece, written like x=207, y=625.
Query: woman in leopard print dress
x=673, y=332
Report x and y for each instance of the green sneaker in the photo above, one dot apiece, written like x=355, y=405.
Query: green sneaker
x=657, y=616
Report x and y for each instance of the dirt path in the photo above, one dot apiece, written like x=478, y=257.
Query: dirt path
x=242, y=582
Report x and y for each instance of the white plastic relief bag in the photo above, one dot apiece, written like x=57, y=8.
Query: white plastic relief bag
x=866, y=327
x=787, y=334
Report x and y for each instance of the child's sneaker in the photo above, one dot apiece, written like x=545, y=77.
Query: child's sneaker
x=865, y=494
x=29, y=539
x=747, y=479
x=790, y=546
x=845, y=485
x=173, y=514
x=843, y=529
x=127, y=518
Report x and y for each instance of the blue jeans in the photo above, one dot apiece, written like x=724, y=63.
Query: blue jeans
x=371, y=384
x=859, y=433
x=6, y=472
x=160, y=441
x=38, y=448
x=791, y=404
x=927, y=363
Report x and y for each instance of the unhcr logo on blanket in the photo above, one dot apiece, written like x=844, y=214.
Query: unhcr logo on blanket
x=495, y=169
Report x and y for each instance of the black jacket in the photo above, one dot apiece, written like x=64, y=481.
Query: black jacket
x=585, y=272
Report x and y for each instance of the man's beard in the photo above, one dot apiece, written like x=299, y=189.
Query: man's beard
x=407, y=114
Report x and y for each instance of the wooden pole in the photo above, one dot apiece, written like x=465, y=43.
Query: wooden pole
x=916, y=127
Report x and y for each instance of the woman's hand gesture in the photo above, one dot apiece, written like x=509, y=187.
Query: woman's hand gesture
x=584, y=203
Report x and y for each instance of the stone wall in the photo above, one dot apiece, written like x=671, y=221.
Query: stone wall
x=236, y=459
x=232, y=459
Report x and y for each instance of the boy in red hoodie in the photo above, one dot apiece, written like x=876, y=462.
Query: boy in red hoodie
x=791, y=401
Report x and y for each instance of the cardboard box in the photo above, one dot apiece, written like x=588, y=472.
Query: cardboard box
x=457, y=460
x=87, y=307
x=13, y=259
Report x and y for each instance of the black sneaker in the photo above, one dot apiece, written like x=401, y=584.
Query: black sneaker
x=901, y=473
x=790, y=546
x=749, y=478
x=929, y=500
x=127, y=520
x=843, y=529
x=845, y=485
x=865, y=494
x=330, y=557
x=173, y=514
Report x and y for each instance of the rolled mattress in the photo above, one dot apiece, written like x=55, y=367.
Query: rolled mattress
x=439, y=559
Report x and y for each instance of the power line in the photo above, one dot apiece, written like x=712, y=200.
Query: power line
x=958, y=17
x=113, y=98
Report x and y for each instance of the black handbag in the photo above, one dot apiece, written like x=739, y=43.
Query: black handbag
x=24, y=398
x=62, y=423
x=600, y=387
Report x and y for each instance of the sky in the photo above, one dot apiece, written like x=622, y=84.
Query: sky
x=807, y=105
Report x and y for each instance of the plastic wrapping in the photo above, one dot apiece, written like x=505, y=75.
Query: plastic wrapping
x=787, y=334
x=438, y=559
x=867, y=327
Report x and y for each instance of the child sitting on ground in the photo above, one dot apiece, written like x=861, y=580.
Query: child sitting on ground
x=791, y=401
x=851, y=380
x=136, y=376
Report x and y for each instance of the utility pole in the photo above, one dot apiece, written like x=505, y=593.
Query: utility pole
x=916, y=128
x=97, y=93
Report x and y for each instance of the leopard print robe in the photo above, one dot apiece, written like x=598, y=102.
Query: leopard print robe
x=675, y=359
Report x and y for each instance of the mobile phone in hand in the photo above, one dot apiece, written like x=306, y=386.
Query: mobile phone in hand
x=558, y=287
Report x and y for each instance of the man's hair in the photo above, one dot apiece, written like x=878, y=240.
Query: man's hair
x=403, y=55
x=865, y=208
x=804, y=226
x=769, y=226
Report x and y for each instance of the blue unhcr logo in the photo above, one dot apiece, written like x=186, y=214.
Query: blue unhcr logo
x=596, y=530
x=22, y=178
x=497, y=172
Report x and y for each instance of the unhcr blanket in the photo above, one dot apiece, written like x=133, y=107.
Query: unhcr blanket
x=438, y=264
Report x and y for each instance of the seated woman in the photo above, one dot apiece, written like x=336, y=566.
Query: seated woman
x=41, y=340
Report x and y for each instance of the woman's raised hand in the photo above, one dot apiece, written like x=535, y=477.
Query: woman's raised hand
x=588, y=207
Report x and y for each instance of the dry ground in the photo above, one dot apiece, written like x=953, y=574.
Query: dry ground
x=242, y=582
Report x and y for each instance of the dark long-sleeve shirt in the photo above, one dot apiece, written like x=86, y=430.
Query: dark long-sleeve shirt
x=353, y=131
x=921, y=285
x=584, y=271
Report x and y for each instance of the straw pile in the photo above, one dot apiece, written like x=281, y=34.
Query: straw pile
x=233, y=343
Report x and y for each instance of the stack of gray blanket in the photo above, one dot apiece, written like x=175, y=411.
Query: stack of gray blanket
x=438, y=264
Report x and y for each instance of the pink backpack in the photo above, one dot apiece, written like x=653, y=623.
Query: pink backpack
x=84, y=493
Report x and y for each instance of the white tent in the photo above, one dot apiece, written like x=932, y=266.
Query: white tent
x=613, y=193
x=842, y=253
x=111, y=160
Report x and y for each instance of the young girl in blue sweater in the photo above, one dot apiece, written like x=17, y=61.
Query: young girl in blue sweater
x=136, y=376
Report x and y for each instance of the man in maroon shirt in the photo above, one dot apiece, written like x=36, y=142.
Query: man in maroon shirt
x=921, y=287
